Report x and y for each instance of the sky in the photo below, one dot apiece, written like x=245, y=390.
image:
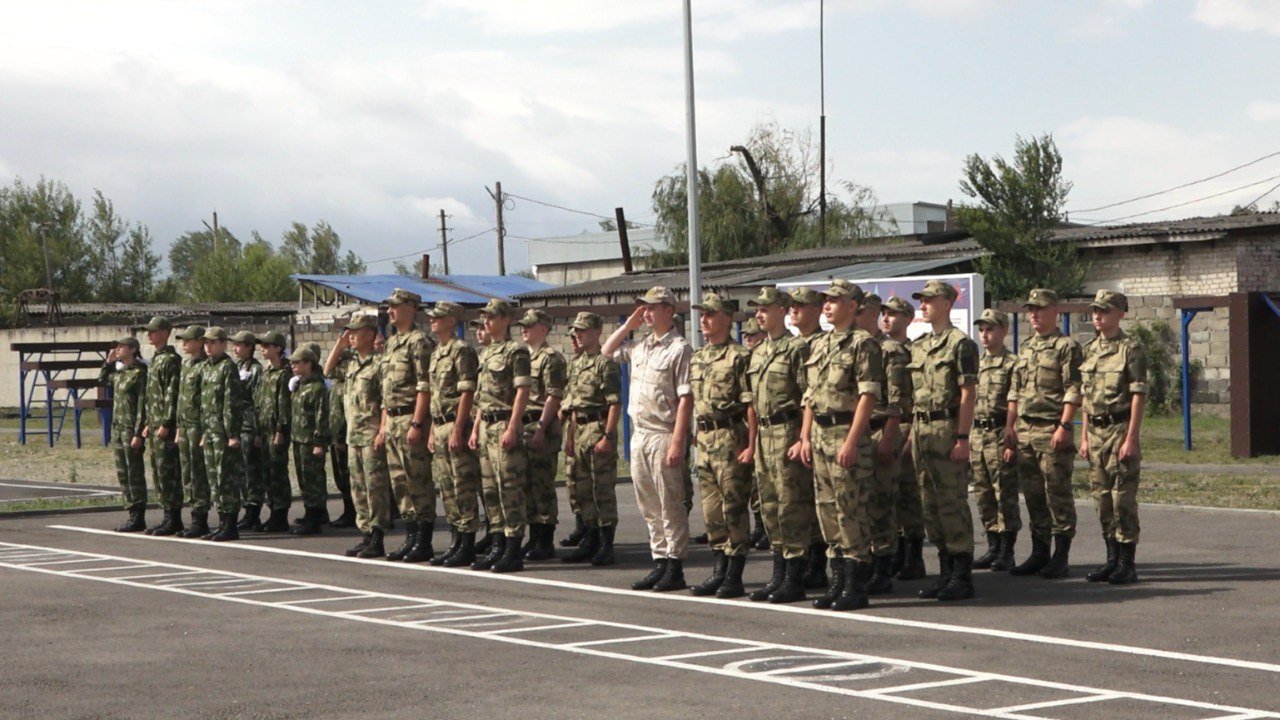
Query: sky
x=376, y=116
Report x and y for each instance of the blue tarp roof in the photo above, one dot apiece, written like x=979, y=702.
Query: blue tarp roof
x=462, y=289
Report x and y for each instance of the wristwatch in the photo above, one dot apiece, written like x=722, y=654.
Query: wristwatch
x=1065, y=425
x=415, y=425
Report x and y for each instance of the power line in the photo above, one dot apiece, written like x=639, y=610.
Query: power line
x=1255, y=200
x=567, y=209
x=1192, y=202
x=1179, y=187
x=401, y=257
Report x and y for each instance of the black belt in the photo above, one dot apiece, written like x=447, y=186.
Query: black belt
x=445, y=418
x=399, y=411
x=590, y=416
x=1105, y=421
x=877, y=424
x=840, y=418
x=505, y=415
x=1038, y=421
x=937, y=414
x=709, y=424
x=783, y=417
x=992, y=421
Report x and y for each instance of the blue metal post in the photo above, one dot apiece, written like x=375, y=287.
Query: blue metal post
x=1015, y=332
x=1188, y=314
x=626, y=396
x=1066, y=324
x=22, y=400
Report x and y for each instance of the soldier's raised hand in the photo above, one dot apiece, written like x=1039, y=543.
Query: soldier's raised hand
x=636, y=319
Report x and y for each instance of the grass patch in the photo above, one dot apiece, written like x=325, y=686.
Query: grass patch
x=1165, y=487
x=1211, y=439
x=59, y=504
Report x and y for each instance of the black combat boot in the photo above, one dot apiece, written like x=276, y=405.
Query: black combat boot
x=837, y=585
x=410, y=539
x=356, y=549
x=252, y=519
x=961, y=585
x=376, y=547
x=227, y=530
x=1105, y=570
x=732, y=585
x=348, y=517
x=485, y=544
x=881, y=582
x=1036, y=562
x=673, y=578
x=914, y=568
x=152, y=530
x=699, y=539
x=199, y=525
x=775, y=580
x=544, y=546
x=853, y=596
x=312, y=519
x=649, y=581
x=136, y=522
x=215, y=530
x=993, y=551
x=277, y=521
x=899, y=556
x=719, y=567
x=497, y=549
x=946, y=565
x=759, y=538
x=1126, y=571
x=455, y=540
x=512, y=560
x=172, y=524
x=535, y=532
x=466, y=551
x=1004, y=561
x=792, y=587
x=587, y=547
x=815, y=576
x=1059, y=565
x=604, y=556
x=575, y=536
x=421, y=550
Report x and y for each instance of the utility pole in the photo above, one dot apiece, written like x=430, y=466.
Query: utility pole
x=496, y=194
x=622, y=238
x=691, y=181
x=213, y=229
x=444, y=242
x=43, y=230
x=822, y=123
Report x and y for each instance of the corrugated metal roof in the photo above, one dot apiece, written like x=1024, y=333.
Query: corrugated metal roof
x=503, y=286
x=461, y=289
x=886, y=269
x=172, y=310
x=1088, y=235
x=591, y=247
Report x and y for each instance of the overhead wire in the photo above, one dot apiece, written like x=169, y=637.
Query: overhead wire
x=1192, y=202
x=1179, y=187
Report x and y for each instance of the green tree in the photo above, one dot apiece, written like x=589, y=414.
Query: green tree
x=235, y=272
x=125, y=266
x=36, y=218
x=193, y=247
x=318, y=251
x=1020, y=204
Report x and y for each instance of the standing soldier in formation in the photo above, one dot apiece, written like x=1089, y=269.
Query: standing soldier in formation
x=252, y=484
x=908, y=514
x=486, y=543
x=753, y=335
x=1044, y=398
x=806, y=319
x=126, y=375
x=550, y=374
x=338, y=453
x=592, y=409
x=406, y=406
x=454, y=370
x=844, y=385
x=272, y=406
x=309, y=433
x=502, y=398
x=995, y=477
x=726, y=436
x=661, y=407
x=162, y=425
x=195, y=480
x=1115, y=393
x=944, y=371
x=221, y=409
x=776, y=381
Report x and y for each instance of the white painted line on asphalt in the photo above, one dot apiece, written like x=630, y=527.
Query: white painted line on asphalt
x=67, y=562
x=418, y=606
x=109, y=568
x=613, y=641
x=705, y=653
x=649, y=634
x=929, y=685
x=154, y=575
x=536, y=628
x=360, y=596
x=811, y=668
x=268, y=590
x=727, y=606
x=1056, y=703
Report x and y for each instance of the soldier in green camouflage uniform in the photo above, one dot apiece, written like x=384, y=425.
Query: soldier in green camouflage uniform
x=995, y=477
x=776, y=380
x=309, y=430
x=271, y=404
x=339, y=458
x=944, y=372
x=252, y=484
x=806, y=320
x=592, y=409
x=221, y=420
x=726, y=445
x=195, y=480
x=1043, y=398
x=845, y=375
x=543, y=435
x=162, y=426
x=454, y=368
x=406, y=411
x=126, y=375
x=502, y=398
x=908, y=514
x=1115, y=391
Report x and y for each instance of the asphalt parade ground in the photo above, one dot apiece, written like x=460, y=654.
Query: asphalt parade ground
x=103, y=625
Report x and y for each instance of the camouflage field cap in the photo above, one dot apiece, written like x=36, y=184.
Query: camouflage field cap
x=306, y=354
x=872, y=302
x=215, y=333
x=192, y=332
x=936, y=288
x=362, y=321
x=498, y=307
x=129, y=340
x=711, y=302
x=246, y=337
x=751, y=327
x=657, y=295
x=1107, y=300
x=534, y=316
x=272, y=338
x=477, y=322
x=587, y=321
x=770, y=295
x=399, y=296
x=899, y=305
x=805, y=296
x=315, y=348
x=157, y=323
x=844, y=289
x=992, y=316
x=1041, y=297
x=446, y=309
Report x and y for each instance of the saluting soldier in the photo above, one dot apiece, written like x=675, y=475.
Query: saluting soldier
x=592, y=410
x=162, y=425
x=845, y=382
x=456, y=467
x=252, y=484
x=776, y=380
x=1044, y=398
x=221, y=410
x=806, y=321
x=339, y=458
x=126, y=375
x=502, y=399
x=995, y=477
x=550, y=374
x=272, y=406
x=195, y=480
x=1115, y=393
x=406, y=406
x=908, y=514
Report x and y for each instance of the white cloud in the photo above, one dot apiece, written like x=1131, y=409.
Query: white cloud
x=1245, y=15
x=1263, y=111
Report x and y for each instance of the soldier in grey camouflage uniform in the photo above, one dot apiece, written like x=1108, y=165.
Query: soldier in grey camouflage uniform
x=543, y=435
x=272, y=406
x=995, y=477
x=339, y=458
x=221, y=408
x=454, y=370
x=252, y=483
x=126, y=375
x=806, y=319
x=195, y=480
x=753, y=335
x=162, y=425
x=908, y=513
x=309, y=428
